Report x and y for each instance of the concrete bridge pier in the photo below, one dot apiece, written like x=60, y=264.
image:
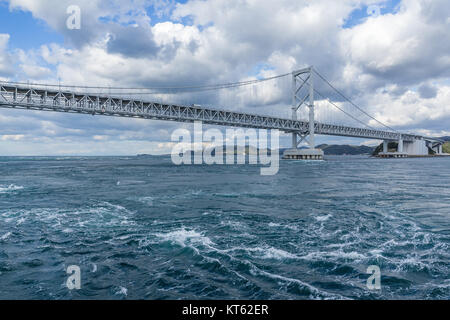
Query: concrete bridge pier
x=400, y=145
x=418, y=147
x=437, y=148
x=400, y=150
x=298, y=83
x=385, y=146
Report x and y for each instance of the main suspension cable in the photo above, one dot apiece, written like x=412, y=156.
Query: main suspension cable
x=208, y=87
x=354, y=104
x=348, y=114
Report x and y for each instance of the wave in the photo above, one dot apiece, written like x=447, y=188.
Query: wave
x=67, y=220
x=194, y=239
x=184, y=237
x=323, y=218
x=122, y=291
x=226, y=195
x=339, y=254
x=10, y=188
x=314, y=293
x=146, y=200
x=285, y=226
x=197, y=240
x=271, y=253
x=5, y=236
x=233, y=224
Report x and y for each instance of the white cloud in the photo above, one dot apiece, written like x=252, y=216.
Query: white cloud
x=35, y=72
x=6, y=61
x=406, y=48
x=411, y=110
x=13, y=137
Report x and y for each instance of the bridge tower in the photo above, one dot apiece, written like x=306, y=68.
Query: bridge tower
x=303, y=79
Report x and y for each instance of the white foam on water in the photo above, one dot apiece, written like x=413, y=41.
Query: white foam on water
x=69, y=219
x=10, y=188
x=254, y=270
x=213, y=212
x=184, y=237
x=394, y=243
x=339, y=254
x=110, y=215
x=236, y=225
x=323, y=218
x=353, y=255
x=444, y=285
x=414, y=262
x=242, y=229
x=196, y=192
x=124, y=237
x=20, y=221
x=122, y=291
x=8, y=220
x=285, y=226
x=264, y=252
x=376, y=252
x=5, y=236
x=315, y=292
x=116, y=206
x=277, y=254
x=146, y=200
x=273, y=225
x=342, y=245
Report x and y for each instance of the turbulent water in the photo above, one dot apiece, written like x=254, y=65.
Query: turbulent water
x=143, y=228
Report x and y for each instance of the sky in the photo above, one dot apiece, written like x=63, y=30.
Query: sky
x=392, y=58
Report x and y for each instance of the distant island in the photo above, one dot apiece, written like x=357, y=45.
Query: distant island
x=341, y=149
x=446, y=146
x=345, y=149
x=327, y=149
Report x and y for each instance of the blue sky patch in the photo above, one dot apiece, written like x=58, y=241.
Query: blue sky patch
x=358, y=16
x=26, y=32
x=160, y=14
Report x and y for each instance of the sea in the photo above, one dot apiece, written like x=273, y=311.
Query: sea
x=144, y=228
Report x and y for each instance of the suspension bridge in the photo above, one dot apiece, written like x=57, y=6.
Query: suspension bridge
x=302, y=125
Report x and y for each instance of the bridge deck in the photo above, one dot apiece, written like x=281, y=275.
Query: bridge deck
x=12, y=96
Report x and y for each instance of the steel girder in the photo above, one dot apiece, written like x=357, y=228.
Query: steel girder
x=12, y=96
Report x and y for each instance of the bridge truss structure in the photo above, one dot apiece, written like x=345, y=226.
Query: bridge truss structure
x=57, y=100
